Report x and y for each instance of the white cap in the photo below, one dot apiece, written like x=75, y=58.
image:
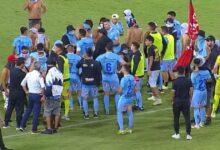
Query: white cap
x=127, y=12
x=115, y=16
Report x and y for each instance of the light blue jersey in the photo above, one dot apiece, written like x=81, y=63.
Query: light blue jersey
x=118, y=26
x=84, y=44
x=72, y=38
x=127, y=83
x=21, y=41
x=199, y=79
x=73, y=61
x=109, y=62
x=177, y=26
x=114, y=34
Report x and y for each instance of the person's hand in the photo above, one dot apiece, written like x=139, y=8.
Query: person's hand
x=149, y=73
x=6, y=93
x=42, y=98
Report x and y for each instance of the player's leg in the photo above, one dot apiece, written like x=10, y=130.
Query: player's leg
x=115, y=88
x=164, y=69
x=195, y=105
x=65, y=95
x=130, y=116
x=138, y=94
x=216, y=99
x=120, y=110
x=106, y=89
x=176, y=116
x=94, y=93
x=186, y=114
x=202, y=109
x=85, y=95
x=79, y=97
x=71, y=89
x=153, y=84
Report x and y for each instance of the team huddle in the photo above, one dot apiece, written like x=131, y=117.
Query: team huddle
x=87, y=61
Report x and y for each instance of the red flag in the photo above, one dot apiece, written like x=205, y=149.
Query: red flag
x=193, y=29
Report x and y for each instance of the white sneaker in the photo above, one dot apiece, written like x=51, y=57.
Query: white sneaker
x=164, y=87
x=66, y=118
x=201, y=124
x=6, y=127
x=188, y=137
x=176, y=136
x=157, y=102
x=152, y=98
x=213, y=115
x=196, y=126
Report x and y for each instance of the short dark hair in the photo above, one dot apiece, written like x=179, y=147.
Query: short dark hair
x=153, y=25
x=102, y=19
x=109, y=46
x=41, y=30
x=24, y=47
x=40, y=46
x=136, y=44
x=89, y=52
x=164, y=29
x=106, y=20
x=89, y=22
x=172, y=13
x=59, y=45
x=23, y=30
x=82, y=32
x=20, y=61
x=126, y=67
x=197, y=61
x=180, y=70
x=149, y=38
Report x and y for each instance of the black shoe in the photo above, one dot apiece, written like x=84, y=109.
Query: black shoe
x=95, y=116
x=47, y=131
x=55, y=130
x=208, y=121
x=86, y=117
x=141, y=109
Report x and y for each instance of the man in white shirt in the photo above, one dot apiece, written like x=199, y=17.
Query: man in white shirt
x=35, y=83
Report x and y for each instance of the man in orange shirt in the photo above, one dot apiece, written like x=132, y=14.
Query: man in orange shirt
x=35, y=10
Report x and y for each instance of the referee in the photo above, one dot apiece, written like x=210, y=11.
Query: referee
x=181, y=95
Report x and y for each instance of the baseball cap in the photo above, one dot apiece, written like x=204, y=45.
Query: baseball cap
x=127, y=12
x=115, y=16
x=11, y=58
x=70, y=28
x=210, y=38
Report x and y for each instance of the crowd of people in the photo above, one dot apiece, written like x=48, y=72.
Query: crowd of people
x=85, y=58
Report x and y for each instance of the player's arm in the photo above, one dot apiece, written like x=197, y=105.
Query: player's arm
x=23, y=84
x=60, y=63
x=165, y=43
x=5, y=80
x=27, y=4
x=151, y=59
x=44, y=7
x=215, y=69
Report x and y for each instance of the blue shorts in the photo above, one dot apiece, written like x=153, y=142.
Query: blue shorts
x=75, y=85
x=110, y=86
x=123, y=102
x=199, y=99
x=167, y=65
x=89, y=90
x=138, y=84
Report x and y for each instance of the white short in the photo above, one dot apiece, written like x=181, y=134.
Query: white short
x=146, y=64
x=153, y=78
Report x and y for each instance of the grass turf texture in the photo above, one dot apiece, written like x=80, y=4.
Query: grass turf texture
x=153, y=127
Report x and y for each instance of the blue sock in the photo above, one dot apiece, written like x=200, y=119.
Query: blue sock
x=130, y=119
x=120, y=120
x=85, y=107
x=161, y=81
x=202, y=114
x=80, y=101
x=196, y=116
x=117, y=97
x=139, y=98
x=106, y=103
x=71, y=102
x=96, y=105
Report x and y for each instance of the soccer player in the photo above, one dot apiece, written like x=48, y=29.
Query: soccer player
x=90, y=77
x=216, y=71
x=84, y=43
x=201, y=44
x=125, y=102
x=22, y=40
x=113, y=34
x=137, y=70
x=110, y=82
x=75, y=84
x=69, y=37
x=115, y=23
x=199, y=79
x=181, y=97
x=177, y=27
x=167, y=56
x=153, y=69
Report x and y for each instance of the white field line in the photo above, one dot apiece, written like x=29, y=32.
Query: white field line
x=90, y=122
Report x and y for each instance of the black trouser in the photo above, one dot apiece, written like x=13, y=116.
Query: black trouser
x=2, y=145
x=183, y=107
x=16, y=100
